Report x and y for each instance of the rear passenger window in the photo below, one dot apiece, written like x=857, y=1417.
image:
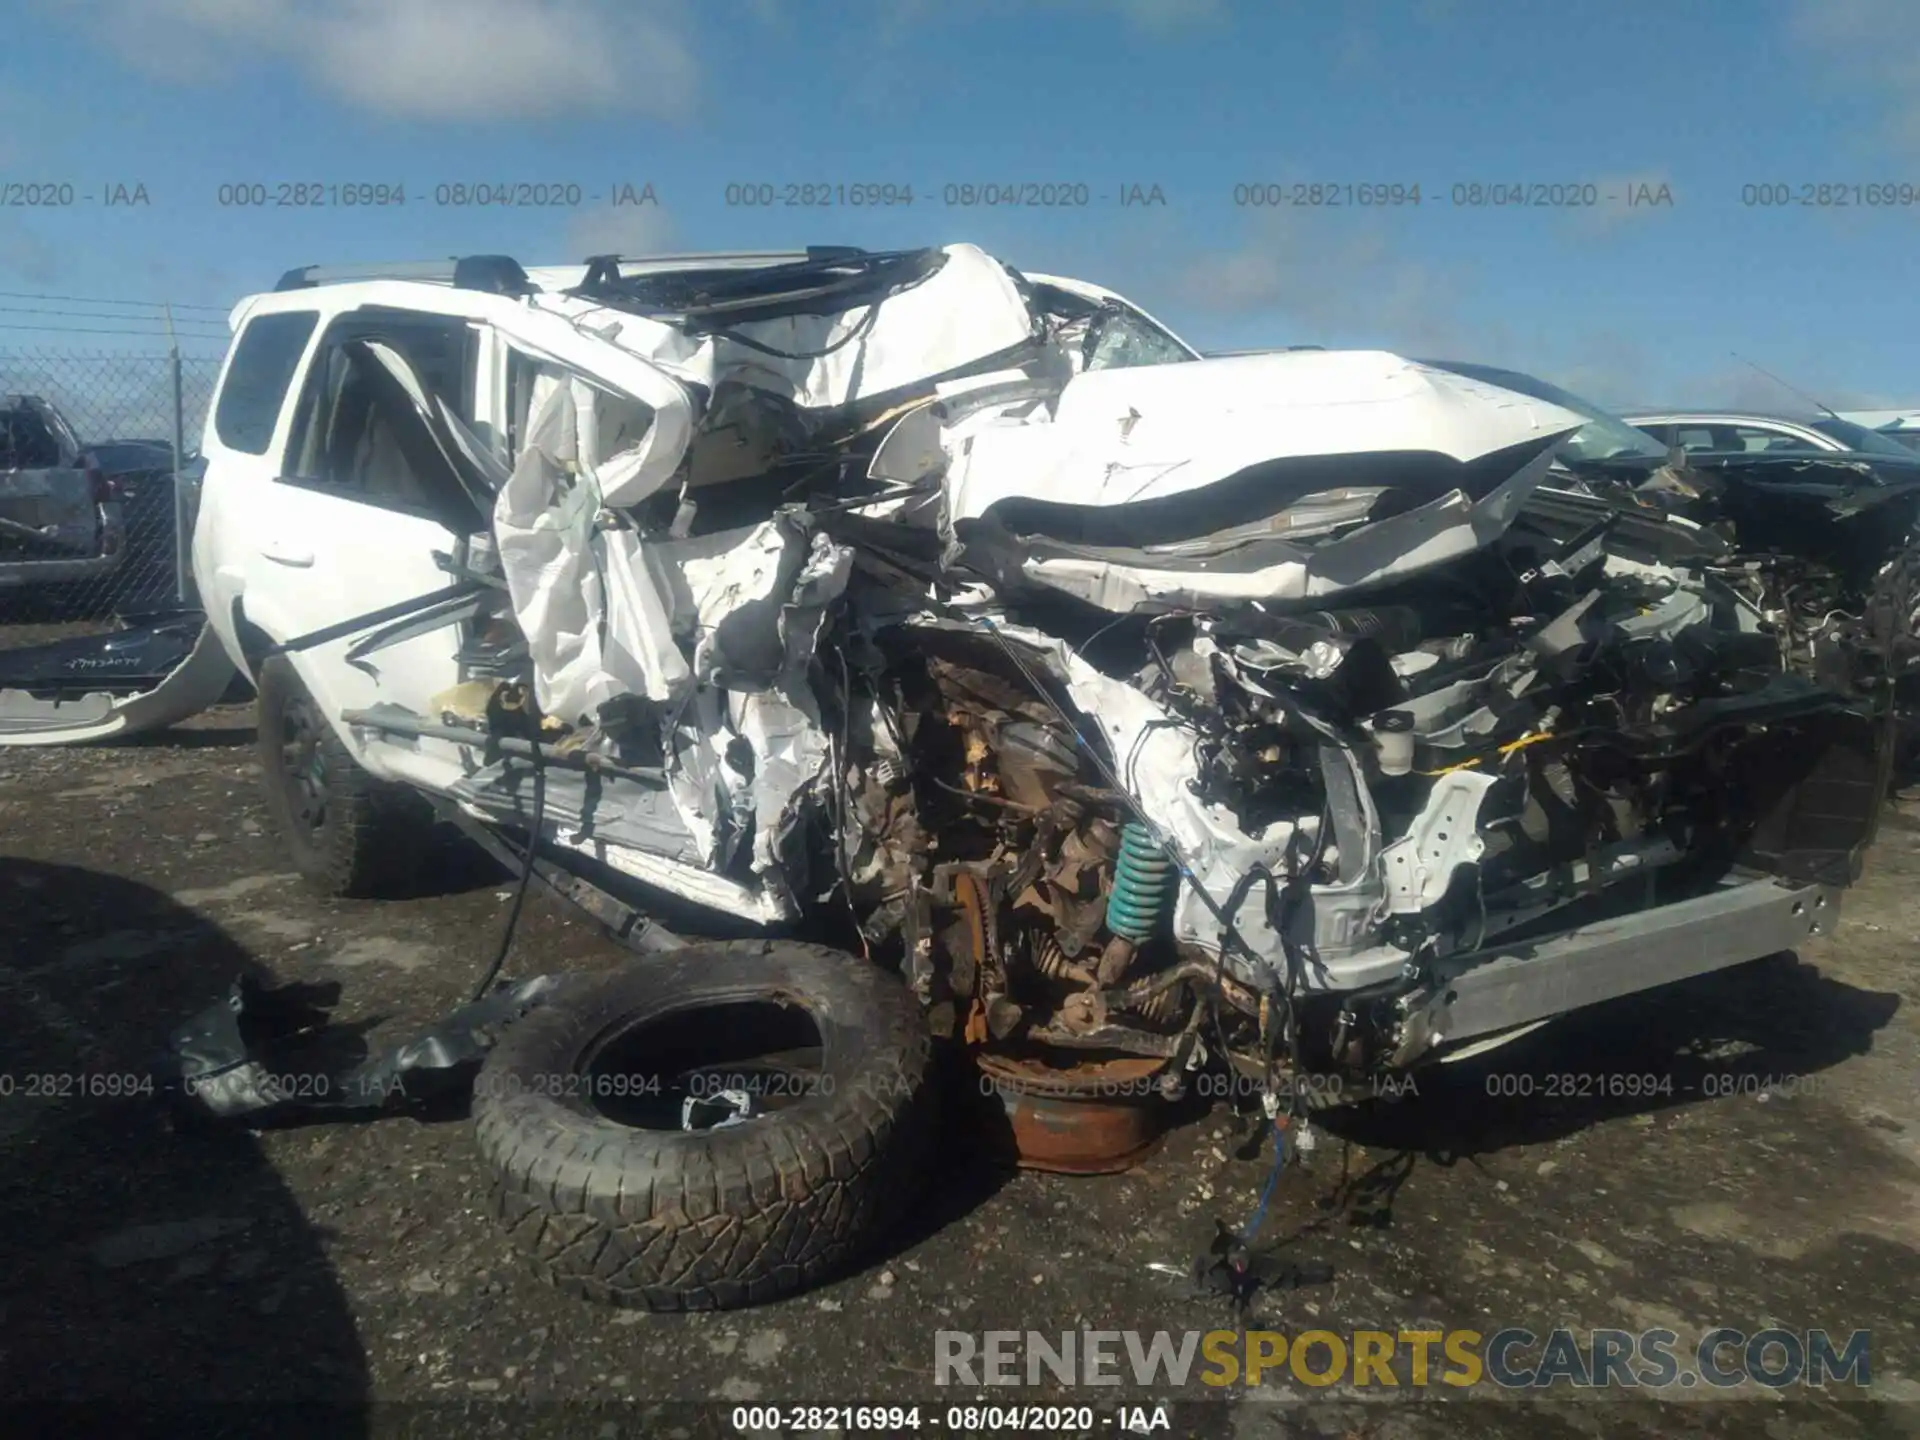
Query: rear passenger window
x=264, y=360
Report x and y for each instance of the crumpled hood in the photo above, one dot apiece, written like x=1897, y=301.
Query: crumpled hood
x=1117, y=437
x=1293, y=476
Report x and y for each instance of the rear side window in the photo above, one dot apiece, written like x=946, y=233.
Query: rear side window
x=263, y=363
x=25, y=442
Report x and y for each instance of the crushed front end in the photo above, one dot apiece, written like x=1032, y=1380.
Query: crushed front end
x=1290, y=840
x=1262, y=713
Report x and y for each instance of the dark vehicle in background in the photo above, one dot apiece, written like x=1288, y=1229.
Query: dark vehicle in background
x=1716, y=433
x=140, y=473
x=1822, y=533
x=60, y=518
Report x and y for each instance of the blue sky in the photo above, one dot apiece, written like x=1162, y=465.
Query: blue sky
x=1630, y=304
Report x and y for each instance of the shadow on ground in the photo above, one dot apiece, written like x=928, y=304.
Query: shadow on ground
x=143, y=1266
x=1772, y=1023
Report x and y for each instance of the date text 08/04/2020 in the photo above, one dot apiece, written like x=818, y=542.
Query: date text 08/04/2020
x=964, y=1419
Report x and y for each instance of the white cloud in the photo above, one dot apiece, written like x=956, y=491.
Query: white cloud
x=1152, y=17
x=619, y=230
x=1625, y=372
x=1312, y=278
x=1875, y=44
x=1330, y=280
x=432, y=59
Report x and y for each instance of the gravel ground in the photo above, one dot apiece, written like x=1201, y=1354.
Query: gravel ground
x=351, y=1264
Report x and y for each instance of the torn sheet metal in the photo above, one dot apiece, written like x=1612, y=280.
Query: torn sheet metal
x=967, y=310
x=716, y=528
x=150, y=675
x=567, y=582
x=675, y=622
x=757, y=610
x=1327, y=472
x=1120, y=437
x=1277, y=572
x=236, y=1060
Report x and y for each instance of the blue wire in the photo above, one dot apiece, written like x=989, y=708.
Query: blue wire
x=1273, y=1178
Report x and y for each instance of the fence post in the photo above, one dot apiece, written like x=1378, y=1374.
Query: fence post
x=182, y=528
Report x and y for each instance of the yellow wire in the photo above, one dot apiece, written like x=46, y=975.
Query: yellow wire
x=1525, y=740
x=1507, y=749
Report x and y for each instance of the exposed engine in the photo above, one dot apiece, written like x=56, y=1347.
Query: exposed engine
x=1547, y=723
x=1824, y=549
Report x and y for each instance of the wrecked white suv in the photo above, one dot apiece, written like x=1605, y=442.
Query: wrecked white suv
x=1024, y=681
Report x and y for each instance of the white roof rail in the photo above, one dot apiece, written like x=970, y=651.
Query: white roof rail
x=500, y=274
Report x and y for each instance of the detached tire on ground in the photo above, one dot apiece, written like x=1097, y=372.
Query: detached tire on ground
x=579, y=1122
x=349, y=835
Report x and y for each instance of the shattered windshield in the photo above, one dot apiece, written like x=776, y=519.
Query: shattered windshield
x=1126, y=338
x=1605, y=437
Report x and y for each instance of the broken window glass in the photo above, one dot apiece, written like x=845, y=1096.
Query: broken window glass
x=1125, y=338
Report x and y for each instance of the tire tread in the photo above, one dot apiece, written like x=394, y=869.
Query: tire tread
x=377, y=834
x=622, y=1221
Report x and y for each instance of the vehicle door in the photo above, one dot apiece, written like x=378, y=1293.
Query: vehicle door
x=361, y=512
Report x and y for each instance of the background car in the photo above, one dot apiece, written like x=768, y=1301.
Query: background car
x=140, y=473
x=1708, y=432
x=60, y=518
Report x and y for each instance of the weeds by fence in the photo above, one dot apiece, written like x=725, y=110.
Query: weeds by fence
x=89, y=537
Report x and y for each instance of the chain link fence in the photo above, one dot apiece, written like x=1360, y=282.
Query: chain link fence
x=98, y=482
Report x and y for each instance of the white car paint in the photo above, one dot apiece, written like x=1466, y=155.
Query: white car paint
x=1122, y=436
x=600, y=606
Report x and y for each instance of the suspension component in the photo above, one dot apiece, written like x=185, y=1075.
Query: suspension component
x=1162, y=1008
x=1144, y=881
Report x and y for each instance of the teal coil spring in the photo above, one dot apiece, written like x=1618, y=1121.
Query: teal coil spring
x=1144, y=880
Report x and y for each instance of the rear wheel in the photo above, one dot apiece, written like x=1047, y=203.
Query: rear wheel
x=714, y=1127
x=349, y=834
